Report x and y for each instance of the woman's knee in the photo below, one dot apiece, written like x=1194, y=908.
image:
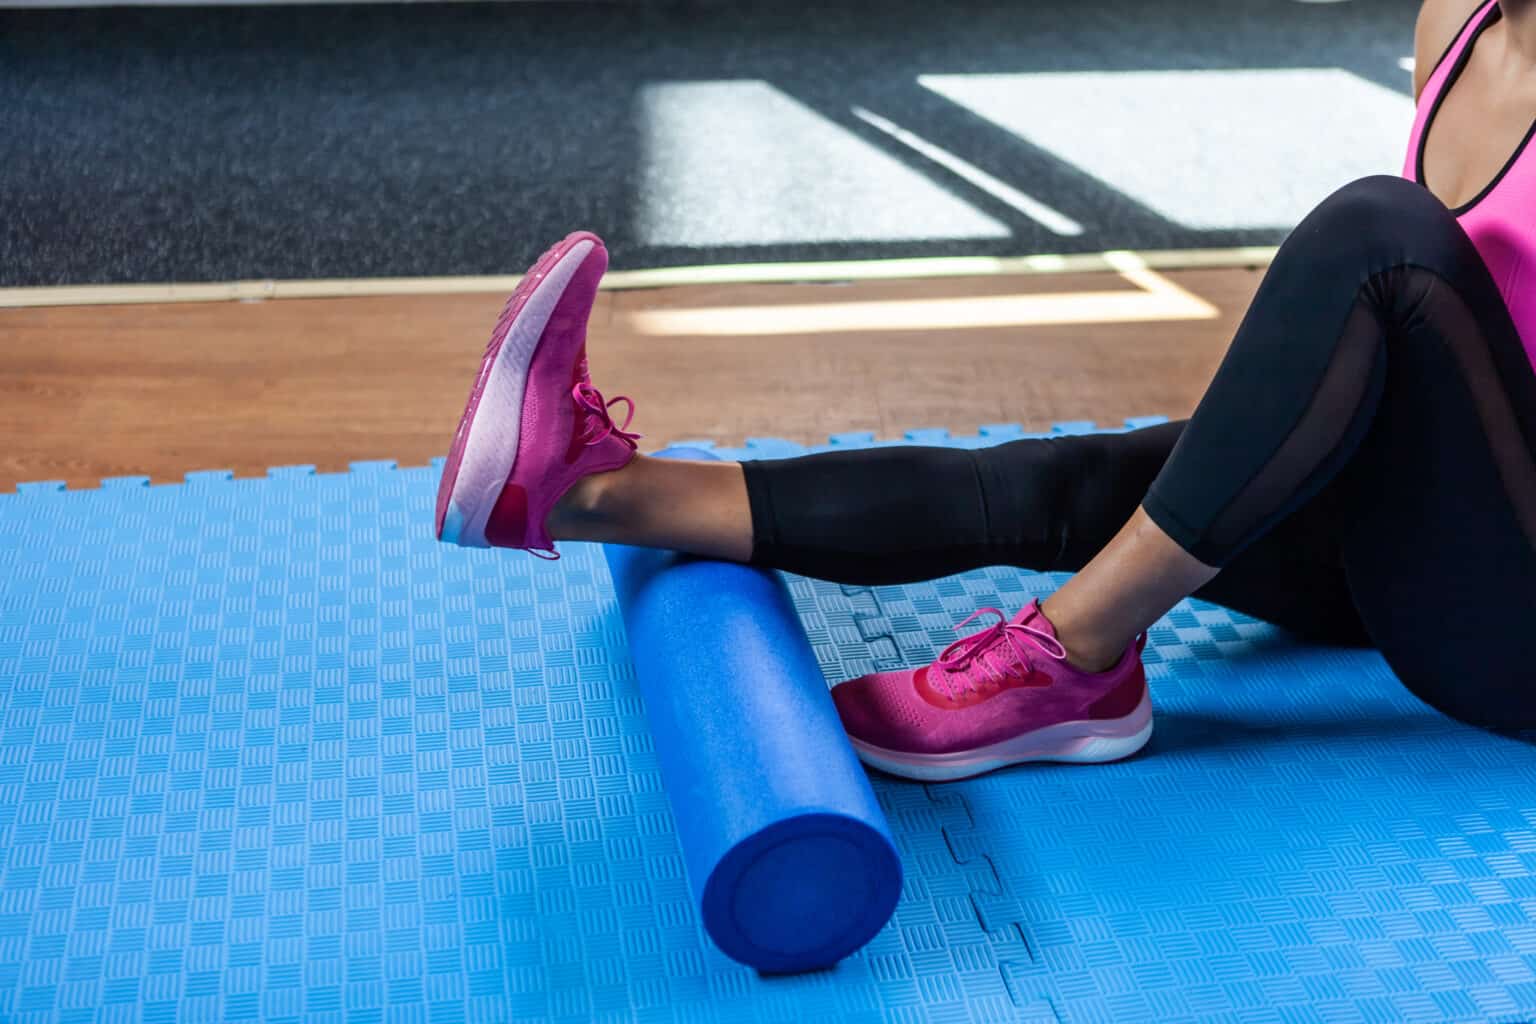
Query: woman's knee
x=1388, y=219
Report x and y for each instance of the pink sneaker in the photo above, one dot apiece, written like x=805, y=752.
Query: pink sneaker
x=1000, y=697
x=534, y=424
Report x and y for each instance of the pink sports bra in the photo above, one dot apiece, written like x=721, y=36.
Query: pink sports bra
x=1501, y=219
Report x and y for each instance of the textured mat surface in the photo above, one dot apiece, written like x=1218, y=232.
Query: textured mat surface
x=268, y=751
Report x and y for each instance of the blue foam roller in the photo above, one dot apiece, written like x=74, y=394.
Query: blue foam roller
x=790, y=858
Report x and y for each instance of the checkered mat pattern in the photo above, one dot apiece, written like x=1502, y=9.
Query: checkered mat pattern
x=270, y=752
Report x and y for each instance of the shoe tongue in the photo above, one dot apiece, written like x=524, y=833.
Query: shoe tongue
x=579, y=372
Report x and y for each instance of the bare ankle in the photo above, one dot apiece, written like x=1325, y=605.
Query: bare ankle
x=1083, y=651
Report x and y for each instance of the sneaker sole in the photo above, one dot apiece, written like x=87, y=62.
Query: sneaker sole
x=484, y=449
x=1094, y=742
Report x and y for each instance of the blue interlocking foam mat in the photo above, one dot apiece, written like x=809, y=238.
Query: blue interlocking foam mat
x=270, y=752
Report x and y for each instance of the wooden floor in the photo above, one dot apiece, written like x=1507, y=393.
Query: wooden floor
x=96, y=391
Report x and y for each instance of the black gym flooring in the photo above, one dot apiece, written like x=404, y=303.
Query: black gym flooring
x=211, y=144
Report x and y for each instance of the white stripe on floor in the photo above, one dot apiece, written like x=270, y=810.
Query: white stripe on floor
x=1030, y=207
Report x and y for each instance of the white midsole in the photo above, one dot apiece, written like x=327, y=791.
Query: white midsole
x=1086, y=747
x=490, y=449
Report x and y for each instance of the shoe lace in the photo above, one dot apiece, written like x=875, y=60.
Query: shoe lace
x=590, y=401
x=988, y=649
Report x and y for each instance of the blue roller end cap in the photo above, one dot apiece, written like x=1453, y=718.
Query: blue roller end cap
x=802, y=893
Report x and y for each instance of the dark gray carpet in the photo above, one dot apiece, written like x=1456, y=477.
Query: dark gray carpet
x=199, y=144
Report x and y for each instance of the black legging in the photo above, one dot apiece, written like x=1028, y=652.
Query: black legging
x=1361, y=468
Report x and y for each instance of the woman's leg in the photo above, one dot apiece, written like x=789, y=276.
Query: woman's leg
x=881, y=515
x=908, y=513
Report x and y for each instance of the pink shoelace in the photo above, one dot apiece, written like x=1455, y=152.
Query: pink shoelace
x=974, y=651
x=590, y=400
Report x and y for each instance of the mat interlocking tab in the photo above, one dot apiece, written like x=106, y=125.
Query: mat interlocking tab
x=270, y=752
